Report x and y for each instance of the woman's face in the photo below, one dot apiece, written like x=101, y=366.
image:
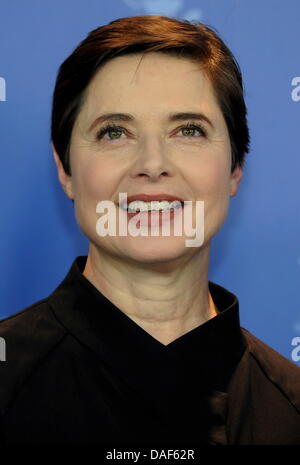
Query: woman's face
x=150, y=153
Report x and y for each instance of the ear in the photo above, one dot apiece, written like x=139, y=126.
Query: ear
x=65, y=179
x=235, y=180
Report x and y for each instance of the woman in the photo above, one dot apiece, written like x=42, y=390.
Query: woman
x=136, y=346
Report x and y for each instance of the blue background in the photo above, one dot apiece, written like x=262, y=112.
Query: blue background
x=256, y=255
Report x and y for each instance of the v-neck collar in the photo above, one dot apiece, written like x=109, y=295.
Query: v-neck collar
x=212, y=349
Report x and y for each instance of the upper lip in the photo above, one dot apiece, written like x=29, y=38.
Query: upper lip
x=152, y=197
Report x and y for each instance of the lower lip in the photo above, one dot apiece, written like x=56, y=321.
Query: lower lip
x=155, y=218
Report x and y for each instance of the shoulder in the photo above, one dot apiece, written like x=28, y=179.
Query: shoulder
x=27, y=336
x=276, y=369
x=33, y=324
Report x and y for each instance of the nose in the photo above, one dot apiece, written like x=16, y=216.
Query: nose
x=152, y=161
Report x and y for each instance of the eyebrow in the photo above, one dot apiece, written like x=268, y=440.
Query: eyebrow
x=127, y=117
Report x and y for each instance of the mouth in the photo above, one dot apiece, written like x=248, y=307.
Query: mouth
x=156, y=206
x=145, y=203
x=155, y=213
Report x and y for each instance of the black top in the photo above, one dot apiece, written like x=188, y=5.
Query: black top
x=79, y=371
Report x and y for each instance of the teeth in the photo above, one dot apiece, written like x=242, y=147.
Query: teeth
x=164, y=205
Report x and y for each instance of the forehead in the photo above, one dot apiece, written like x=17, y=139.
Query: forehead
x=150, y=83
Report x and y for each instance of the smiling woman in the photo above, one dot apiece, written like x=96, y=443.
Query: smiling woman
x=147, y=349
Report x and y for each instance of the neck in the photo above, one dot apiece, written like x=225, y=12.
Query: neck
x=166, y=300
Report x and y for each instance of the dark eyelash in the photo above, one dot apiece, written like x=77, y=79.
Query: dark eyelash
x=192, y=125
x=106, y=129
x=112, y=127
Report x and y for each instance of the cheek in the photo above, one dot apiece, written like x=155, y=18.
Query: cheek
x=94, y=180
x=211, y=181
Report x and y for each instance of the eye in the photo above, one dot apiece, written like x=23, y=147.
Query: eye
x=115, y=132
x=190, y=129
x=110, y=129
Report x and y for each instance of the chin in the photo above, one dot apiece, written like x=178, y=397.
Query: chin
x=155, y=249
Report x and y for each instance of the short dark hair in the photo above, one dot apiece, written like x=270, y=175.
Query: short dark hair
x=142, y=34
